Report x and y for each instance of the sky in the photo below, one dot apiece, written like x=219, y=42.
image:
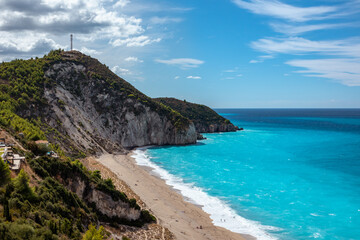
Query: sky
x=221, y=53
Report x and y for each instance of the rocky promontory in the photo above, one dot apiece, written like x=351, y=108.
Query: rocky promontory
x=206, y=120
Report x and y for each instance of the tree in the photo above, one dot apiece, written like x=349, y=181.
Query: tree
x=8, y=190
x=94, y=234
x=21, y=184
x=4, y=173
x=7, y=215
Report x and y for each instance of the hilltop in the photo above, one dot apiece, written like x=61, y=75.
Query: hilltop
x=205, y=119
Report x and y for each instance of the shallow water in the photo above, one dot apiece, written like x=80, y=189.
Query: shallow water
x=292, y=174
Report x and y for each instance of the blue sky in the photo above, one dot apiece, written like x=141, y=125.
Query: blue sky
x=222, y=53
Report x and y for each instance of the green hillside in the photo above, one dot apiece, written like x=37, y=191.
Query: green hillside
x=202, y=116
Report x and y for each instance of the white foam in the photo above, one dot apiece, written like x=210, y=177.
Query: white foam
x=220, y=212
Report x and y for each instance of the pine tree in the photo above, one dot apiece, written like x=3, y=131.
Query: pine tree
x=4, y=173
x=7, y=215
x=21, y=184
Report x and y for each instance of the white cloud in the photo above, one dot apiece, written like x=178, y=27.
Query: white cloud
x=182, y=62
x=176, y=77
x=121, y=3
x=47, y=20
x=295, y=45
x=89, y=51
x=29, y=45
x=345, y=71
x=294, y=30
x=88, y=19
x=165, y=20
x=139, y=41
x=266, y=57
x=343, y=66
x=278, y=9
x=120, y=71
x=261, y=59
x=181, y=9
x=193, y=77
x=133, y=59
x=146, y=7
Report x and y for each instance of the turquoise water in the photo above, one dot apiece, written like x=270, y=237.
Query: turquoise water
x=292, y=174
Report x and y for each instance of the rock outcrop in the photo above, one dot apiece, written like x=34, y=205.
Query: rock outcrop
x=205, y=119
x=103, y=202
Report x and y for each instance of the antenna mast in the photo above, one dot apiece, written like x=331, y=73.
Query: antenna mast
x=71, y=42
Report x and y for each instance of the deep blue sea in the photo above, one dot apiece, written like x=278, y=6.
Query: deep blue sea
x=291, y=174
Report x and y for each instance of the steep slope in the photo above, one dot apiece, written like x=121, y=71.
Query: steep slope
x=77, y=101
x=57, y=198
x=205, y=119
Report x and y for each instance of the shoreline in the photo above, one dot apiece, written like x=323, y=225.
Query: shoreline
x=184, y=219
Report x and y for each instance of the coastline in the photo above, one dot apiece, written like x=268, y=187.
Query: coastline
x=185, y=220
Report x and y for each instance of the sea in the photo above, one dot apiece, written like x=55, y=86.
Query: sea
x=290, y=174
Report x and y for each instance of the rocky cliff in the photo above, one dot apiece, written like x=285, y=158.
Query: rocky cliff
x=205, y=119
x=82, y=104
x=103, y=202
x=97, y=108
x=98, y=194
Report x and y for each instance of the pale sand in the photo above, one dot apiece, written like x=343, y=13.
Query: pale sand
x=182, y=218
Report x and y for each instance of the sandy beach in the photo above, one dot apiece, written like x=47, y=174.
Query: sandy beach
x=183, y=219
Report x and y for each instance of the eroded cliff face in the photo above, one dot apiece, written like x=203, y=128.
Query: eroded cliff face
x=103, y=202
x=212, y=128
x=98, y=117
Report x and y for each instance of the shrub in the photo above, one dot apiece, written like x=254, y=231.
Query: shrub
x=94, y=234
x=147, y=217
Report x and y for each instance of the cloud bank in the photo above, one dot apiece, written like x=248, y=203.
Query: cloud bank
x=29, y=27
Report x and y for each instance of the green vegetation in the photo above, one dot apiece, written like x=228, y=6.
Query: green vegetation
x=21, y=88
x=46, y=166
x=94, y=234
x=48, y=210
x=29, y=128
x=22, y=102
x=4, y=173
x=70, y=170
x=201, y=115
